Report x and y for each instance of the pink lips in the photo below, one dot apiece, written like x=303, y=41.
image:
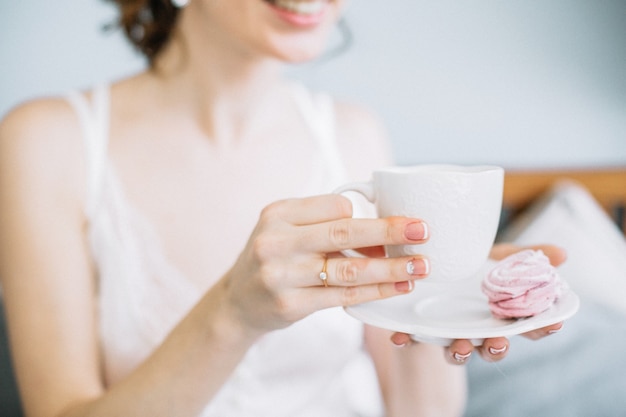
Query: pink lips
x=297, y=19
x=522, y=285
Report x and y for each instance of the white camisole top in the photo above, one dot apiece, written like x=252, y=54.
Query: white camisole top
x=314, y=368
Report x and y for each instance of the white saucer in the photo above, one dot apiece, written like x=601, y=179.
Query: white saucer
x=440, y=313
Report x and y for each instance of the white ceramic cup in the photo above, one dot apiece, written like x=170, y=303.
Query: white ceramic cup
x=460, y=204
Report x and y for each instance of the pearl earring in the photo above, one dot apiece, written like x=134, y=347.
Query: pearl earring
x=179, y=4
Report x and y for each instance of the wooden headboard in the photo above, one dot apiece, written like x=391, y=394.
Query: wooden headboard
x=607, y=185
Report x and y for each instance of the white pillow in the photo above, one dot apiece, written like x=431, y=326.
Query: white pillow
x=570, y=217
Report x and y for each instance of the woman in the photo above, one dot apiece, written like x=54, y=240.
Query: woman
x=181, y=275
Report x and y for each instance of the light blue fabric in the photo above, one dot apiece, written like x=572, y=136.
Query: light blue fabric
x=578, y=372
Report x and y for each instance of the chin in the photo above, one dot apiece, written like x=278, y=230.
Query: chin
x=299, y=53
x=301, y=27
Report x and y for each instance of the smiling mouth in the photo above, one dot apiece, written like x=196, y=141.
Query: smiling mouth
x=305, y=8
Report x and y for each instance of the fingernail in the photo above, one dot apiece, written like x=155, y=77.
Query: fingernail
x=556, y=330
x=404, y=286
x=461, y=357
x=416, y=231
x=418, y=266
x=497, y=351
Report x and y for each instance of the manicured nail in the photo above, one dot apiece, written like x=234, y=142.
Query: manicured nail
x=416, y=231
x=418, y=266
x=497, y=351
x=404, y=286
x=398, y=340
x=556, y=330
x=461, y=357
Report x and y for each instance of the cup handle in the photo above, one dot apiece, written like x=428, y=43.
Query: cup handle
x=366, y=189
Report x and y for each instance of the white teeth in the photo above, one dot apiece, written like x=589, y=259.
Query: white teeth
x=301, y=7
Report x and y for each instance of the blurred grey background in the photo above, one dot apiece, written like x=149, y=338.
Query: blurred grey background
x=533, y=83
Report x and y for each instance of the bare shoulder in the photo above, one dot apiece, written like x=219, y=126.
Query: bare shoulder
x=45, y=264
x=41, y=123
x=362, y=139
x=41, y=139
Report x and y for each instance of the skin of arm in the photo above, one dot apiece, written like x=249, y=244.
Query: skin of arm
x=416, y=379
x=47, y=279
x=49, y=289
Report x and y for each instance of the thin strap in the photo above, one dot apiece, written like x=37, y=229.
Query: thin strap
x=94, y=121
x=319, y=113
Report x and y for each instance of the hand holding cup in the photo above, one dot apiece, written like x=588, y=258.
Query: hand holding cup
x=460, y=204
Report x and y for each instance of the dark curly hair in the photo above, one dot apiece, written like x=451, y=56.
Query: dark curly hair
x=148, y=24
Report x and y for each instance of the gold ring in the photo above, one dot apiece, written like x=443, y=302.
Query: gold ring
x=324, y=274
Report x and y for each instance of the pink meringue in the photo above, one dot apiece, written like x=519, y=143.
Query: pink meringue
x=522, y=285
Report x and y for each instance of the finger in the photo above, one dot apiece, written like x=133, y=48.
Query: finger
x=351, y=233
x=366, y=271
x=373, y=252
x=401, y=339
x=459, y=352
x=544, y=331
x=556, y=254
x=310, y=210
x=502, y=250
x=494, y=349
x=324, y=297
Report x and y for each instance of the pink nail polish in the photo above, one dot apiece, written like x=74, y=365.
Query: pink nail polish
x=418, y=266
x=416, y=231
x=404, y=286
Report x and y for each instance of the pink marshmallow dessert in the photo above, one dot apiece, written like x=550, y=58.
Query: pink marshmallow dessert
x=522, y=285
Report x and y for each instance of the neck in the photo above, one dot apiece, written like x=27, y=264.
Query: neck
x=222, y=84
